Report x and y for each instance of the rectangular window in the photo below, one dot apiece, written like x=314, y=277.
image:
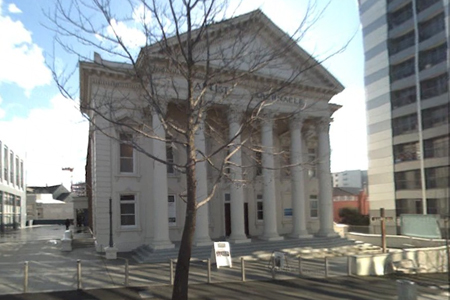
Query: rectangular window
x=172, y=210
x=127, y=210
x=434, y=87
x=406, y=152
x=258, y=163
x=435, y=116
x=437, y=177
x=126, y=154
x=437, y=147
x=400, y=16
x=401, y=43
x=403, y=97
x=312, y=162
x=227, y=164
x=5, y=164
x=431, y=27
x=259, y=207
x=402, y=70
x=432, y=57
x=408, y=180
x=11, y=167
x=169, y=158
x=432, y=206
x=404, y=125
x=21, y=175
x=227, y=197
x=17, y=172
x=313, y=206
x=424, y=4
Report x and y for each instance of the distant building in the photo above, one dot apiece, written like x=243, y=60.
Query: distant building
x=80, y=204
x=49, y=204
x=353, y=178
x=407, y=88
x=344, y=197
x=12, y=189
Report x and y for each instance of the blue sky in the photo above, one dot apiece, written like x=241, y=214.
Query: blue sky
x=39, y=124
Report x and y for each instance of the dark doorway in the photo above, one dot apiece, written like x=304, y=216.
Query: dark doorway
x=228, y=219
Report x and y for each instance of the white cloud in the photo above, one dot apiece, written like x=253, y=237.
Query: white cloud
x=52, y=138
x=348, y=133
x=12, y=8
x=2, y=111
x=22, y=60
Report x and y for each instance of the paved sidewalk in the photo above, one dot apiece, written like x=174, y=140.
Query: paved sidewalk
x=52, y=275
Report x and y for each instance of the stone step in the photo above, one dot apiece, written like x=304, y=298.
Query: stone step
x=257, y=249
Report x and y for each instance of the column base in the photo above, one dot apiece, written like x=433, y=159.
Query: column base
x=111, y=252
x=271, y=238
x=161, y=245
x=326, y=233
x=301, y=235
x=239, y=239
x=202, y=242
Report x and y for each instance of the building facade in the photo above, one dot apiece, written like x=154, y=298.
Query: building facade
x=351, y=178
x=12, y=189
x=407, y=88
x=354, y=198
x=49, y=204
x=287, y=186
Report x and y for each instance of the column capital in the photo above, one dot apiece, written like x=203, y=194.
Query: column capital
x=297, y=120
x=323, y=124
x=235, y=114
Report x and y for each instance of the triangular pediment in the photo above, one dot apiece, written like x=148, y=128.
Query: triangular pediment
x=253, y=43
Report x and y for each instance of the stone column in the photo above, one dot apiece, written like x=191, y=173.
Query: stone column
x=269, y=196
x=201, y=236
x=160, y=190
x=297, y=180
x=237, y=188
x=325, y=186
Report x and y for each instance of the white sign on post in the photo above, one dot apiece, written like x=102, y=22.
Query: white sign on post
x=221, y=255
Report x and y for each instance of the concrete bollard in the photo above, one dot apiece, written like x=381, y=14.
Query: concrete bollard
x=171, y=272
x=127, y=275
x=300, y=266
x=79, y=274
x=209, y=270
x=242, y=269
x=25, y=277
x=66, y=241
x=349, y=266
x=326, y=267
x=406, y=290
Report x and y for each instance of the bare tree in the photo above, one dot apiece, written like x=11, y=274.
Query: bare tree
x=200, y=59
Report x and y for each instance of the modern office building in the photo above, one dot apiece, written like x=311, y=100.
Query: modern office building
x=288, y=186
x=350, y=178
x=12, y=189
x=407, y=87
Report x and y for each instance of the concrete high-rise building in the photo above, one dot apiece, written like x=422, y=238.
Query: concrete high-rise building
x=350, y=178
x=406, y=79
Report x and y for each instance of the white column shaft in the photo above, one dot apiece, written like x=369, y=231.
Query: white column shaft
x=325, y=186
x=160, y=191
x=297, y=181
x=269, y=197
x=201, y=236
x=236, y=189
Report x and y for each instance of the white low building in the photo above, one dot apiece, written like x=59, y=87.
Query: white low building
x=287, y=186
x=49, y=205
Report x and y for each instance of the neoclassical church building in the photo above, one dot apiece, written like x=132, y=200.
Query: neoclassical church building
x=276, y=183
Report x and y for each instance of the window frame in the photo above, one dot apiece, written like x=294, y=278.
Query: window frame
x=313, y=199
x=128, y=143
x=134, y=201
x=259, y=208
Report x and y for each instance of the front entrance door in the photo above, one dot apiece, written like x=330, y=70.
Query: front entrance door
x=228, y=219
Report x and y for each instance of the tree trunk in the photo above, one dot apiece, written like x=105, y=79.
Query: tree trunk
x=180, y=288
